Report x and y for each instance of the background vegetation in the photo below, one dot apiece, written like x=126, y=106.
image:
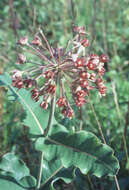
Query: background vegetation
x=106, y=22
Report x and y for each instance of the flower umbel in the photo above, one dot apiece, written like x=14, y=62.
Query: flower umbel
x=60, y=67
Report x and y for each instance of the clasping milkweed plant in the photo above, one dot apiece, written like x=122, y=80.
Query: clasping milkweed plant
x=64, y=77
x=71, y=66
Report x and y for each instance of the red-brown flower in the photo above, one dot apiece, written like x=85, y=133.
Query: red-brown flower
x=85, y=42
x=61, y=71
x=80, y=62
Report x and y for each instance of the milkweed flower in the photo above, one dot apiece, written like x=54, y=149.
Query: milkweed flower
x=59, y=67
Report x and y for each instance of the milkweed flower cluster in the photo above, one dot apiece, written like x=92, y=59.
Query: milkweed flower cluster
x=72, y=66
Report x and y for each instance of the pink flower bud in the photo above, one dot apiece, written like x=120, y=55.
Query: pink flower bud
x=85, y=42
x=61, y=102
x=36, y=41
x=84, y=83
x=104, y=58
x=80, y=62
x=44, y=105
x=23, y=40
x=21, y=59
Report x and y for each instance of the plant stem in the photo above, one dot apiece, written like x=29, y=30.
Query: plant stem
x=41, y=54
x=120, y=118
x=81, y=119
x=93, y=25
x=40, y=171
x=90, y=182
x=72, y=11
x=1, y=94
x=117, y=184
x=97, y=121
x=102, y=135
x=52, y=110
x=49, y=47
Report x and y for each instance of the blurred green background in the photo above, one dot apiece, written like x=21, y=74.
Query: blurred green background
x=107, y=21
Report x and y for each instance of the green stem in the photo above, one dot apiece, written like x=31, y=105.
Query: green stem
x=120, y=118
x=40, y=171
x=97, y=121
x=125, y=146
x=52, y=110
x=90, y=182
x=117, y=184
x=45, y=182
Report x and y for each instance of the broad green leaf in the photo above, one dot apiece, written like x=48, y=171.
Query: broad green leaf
x=67, y=175
x=82, y=149
x=13, y=166
x=50, y=169
x=53, y=170
x=36, y=118
x=28, y=181
x=6, y=184
x=81, y=181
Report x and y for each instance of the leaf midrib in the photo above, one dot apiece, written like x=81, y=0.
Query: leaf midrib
x=77, y=150
x=35, y=118
x=54, y=173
